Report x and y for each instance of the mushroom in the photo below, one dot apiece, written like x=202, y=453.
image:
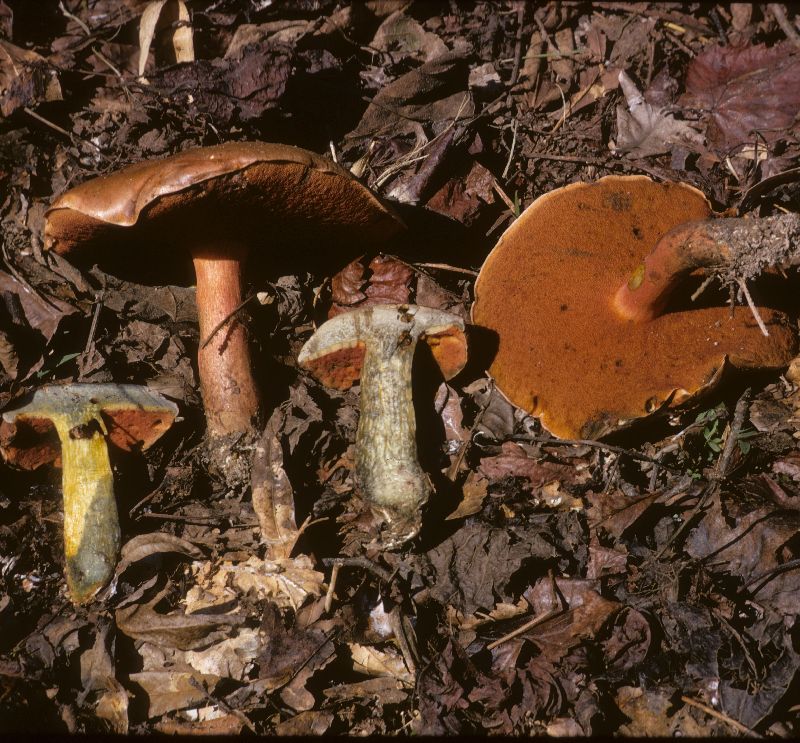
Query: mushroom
x=86, y=418
x=376, y=344
x=224, y=207
x=574, y=350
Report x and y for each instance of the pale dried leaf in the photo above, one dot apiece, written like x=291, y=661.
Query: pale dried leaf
x=287, y=582
x=273, y=497
x=643, y=130
x=156, y=17
x=172, y=690
x=373, y=662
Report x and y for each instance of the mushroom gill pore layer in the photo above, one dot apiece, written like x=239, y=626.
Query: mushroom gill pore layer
x=564, y=354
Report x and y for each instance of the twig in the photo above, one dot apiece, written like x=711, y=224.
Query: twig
x=525, y=627
x=331, y=587
x=584, y=442
x=517, y=53
x=514, y=128
x=700, y=289
x=222, y=323
x=447, y=267
x=720, y=471
x=779, y=14
x=98, y=305
x=735, y=724
x=752, y=306
x=358, y=562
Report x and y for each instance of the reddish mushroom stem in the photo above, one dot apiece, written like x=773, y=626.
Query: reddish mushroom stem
x=230, y=395
x=746, y=245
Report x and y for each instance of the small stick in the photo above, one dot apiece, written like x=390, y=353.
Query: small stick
x=225, y=320
x=331, y=587
x=514, y=128
x=358, y=562
x=525, y=627
x=752, y=306
x=447, y=267
x=735, y=724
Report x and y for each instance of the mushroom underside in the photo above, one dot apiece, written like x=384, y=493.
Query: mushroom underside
x=564, y=354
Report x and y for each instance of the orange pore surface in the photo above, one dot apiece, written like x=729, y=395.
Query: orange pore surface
x=564, y=355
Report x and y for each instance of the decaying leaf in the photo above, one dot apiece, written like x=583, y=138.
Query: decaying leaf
x=176, y=630
x=25, y=79
x=286, y=581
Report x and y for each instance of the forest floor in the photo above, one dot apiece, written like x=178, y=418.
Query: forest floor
x=645, y=584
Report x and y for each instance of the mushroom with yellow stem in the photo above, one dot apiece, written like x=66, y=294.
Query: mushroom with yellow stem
x=376, y=345
x=585, y=341
x=231, y=209
x=86, y=418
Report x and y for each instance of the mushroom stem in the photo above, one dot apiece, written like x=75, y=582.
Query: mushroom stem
x=377, y=344
x=91, y=522
x=387, y=469
x=744, y=245
x=230, y=395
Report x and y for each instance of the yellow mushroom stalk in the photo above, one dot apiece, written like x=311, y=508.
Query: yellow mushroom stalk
x=87, y=417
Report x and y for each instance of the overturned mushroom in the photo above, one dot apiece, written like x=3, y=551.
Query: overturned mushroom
x=228, y=208
x=588, y=357
x=377, y=344
x=86, y=418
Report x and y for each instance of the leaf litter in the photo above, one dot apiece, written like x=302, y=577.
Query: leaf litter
x=626, y=587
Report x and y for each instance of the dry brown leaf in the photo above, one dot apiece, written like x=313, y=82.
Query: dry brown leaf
x=475, y=489
x=386, y=690
x=172, y=690
x=308, y=723
x=400, y=36
x=175, y=630
x=112, y=706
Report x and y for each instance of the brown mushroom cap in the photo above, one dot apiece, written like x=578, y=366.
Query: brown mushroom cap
x=259, y=192
x=565, y=355
x=134, y=416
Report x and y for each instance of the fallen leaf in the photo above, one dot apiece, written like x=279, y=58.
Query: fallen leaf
x=373, y=662
x=743, y=91
x=309, y=723
x=643, y=130
x=172, y=690
x=25, y=79
x=400, y=36
x=272, y=493
x=474, y=489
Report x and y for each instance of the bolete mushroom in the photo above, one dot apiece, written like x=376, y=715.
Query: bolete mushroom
x=86, y=418
x=578, y=348
x=226, y=207
x=376, y=344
